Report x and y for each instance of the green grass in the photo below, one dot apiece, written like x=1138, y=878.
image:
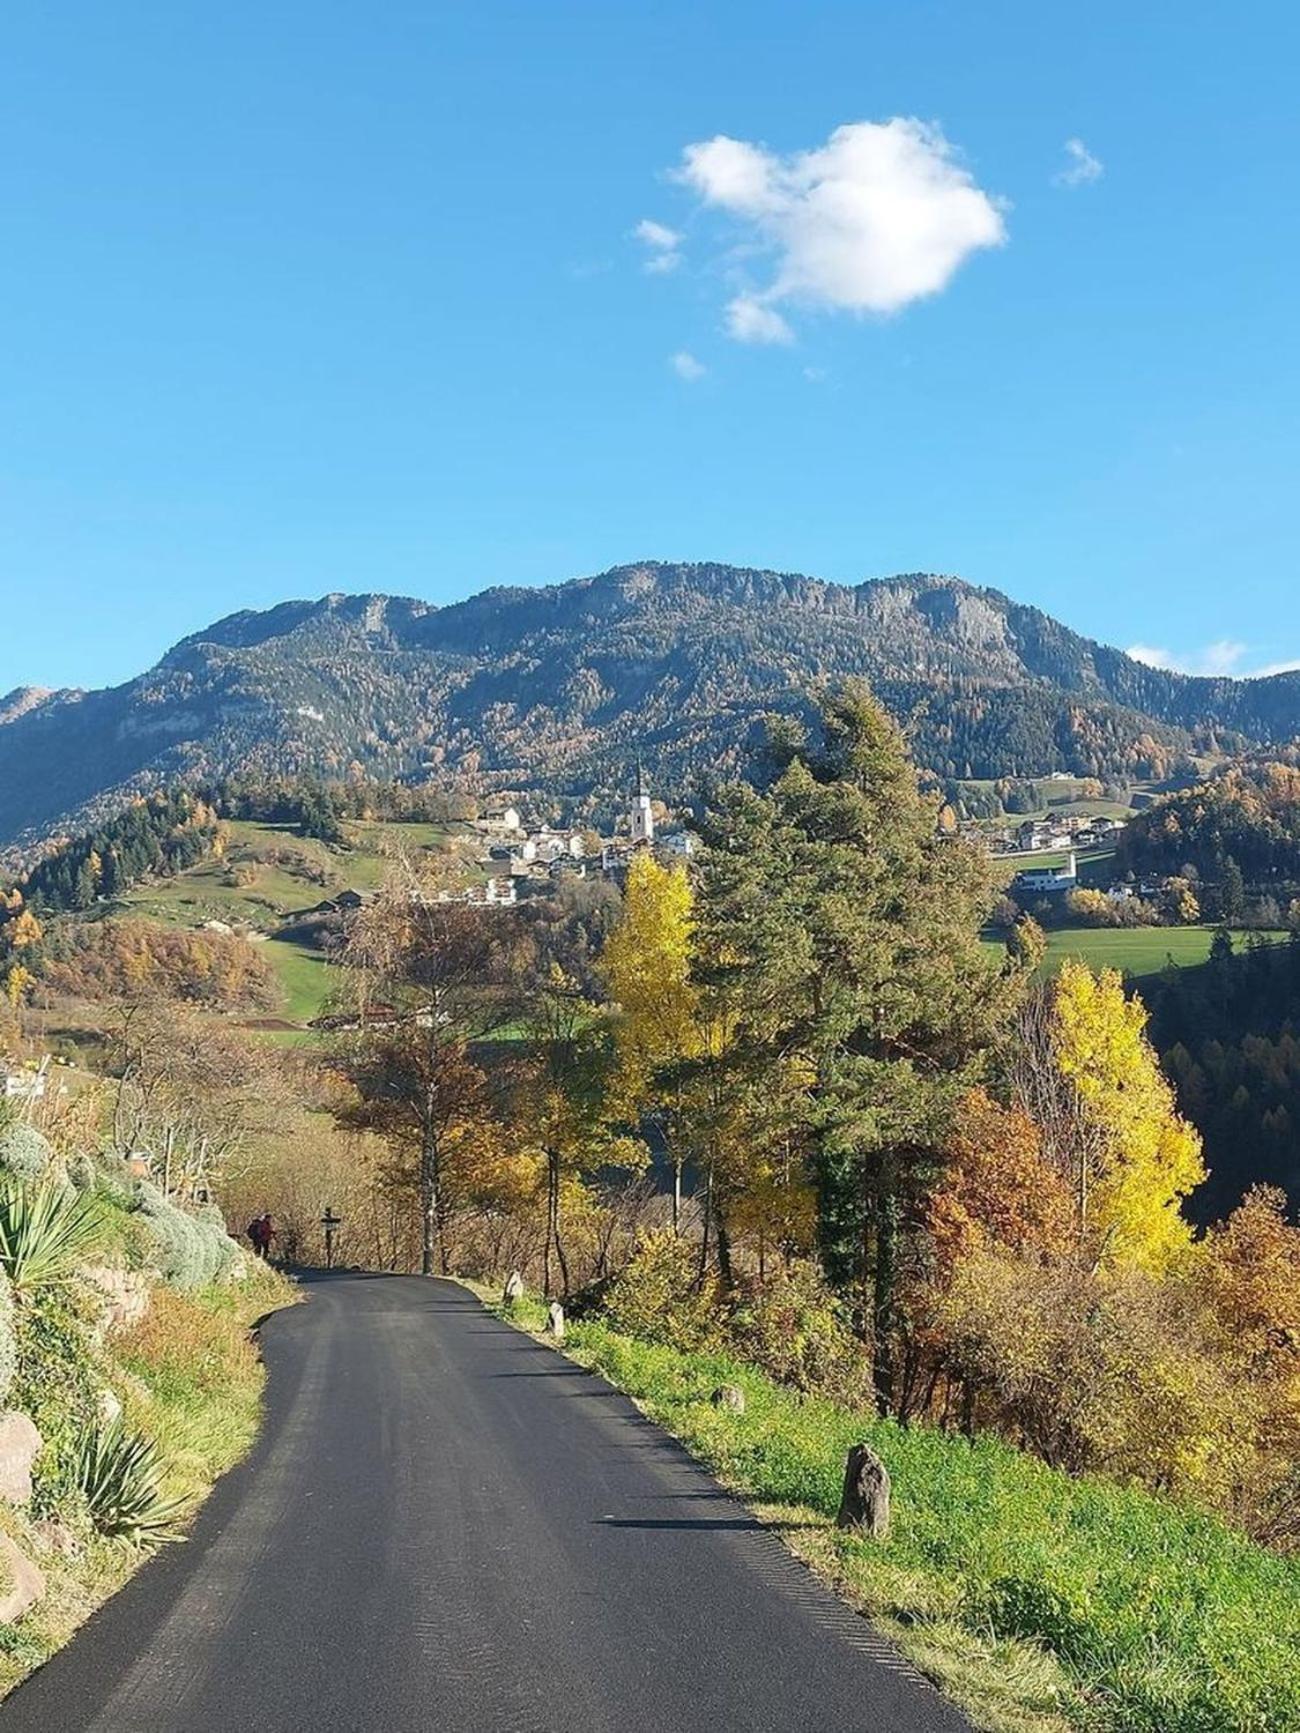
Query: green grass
x=376, y=840
x=306, y=976
x=1135, y=950
x=1037, y=1601
x=200, y=893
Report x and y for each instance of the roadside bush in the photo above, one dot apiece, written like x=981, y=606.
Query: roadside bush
x=227, y=1254
x=1096, y=1373
x=119, y=1475
x=46, y=1231
x=792, y=1326
x=188, y=1250
x=57, y=1383
x=658, y=1295
x=24, y=1153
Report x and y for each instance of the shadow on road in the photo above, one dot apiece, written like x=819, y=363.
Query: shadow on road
x=744, y=1524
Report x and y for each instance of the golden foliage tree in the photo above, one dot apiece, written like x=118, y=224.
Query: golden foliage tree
x=1082, y=1068
x=1147, y=1158
x=646, y=969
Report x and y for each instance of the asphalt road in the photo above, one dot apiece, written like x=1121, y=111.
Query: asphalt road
x=446, y=1527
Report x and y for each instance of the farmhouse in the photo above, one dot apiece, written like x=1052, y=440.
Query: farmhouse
x=1048, y=881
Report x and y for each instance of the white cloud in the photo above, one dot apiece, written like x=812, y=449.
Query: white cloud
x=1272, y=668
x=686, y=367
x=662, y=244
x=1081, y=166
x=1153, y=657
x=1222, y=657
x=750, y=321
x=879, y=216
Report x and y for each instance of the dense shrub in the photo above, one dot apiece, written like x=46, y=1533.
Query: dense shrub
x=24, y=1152
x=189, y=1251
x=106, y=959
x=792, y=1326
x=57, y=1383
x=227, y=1255
x=658, y=1295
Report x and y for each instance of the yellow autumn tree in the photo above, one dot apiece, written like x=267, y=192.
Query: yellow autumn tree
x=1145, y=1157
x=25, y=932
x=17, y=980
x=646, y=967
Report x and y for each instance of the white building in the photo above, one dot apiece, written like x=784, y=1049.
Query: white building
x=494, y=892
x=643, y=818
x=1049, y=881
x=679, y=843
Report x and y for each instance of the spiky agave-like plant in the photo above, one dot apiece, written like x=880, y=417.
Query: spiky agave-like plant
x=120, y=1475
x=46, y=1232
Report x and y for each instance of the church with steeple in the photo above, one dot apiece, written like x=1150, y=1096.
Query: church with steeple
x=643, y=818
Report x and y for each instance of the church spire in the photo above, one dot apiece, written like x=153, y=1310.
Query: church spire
x=643, y=818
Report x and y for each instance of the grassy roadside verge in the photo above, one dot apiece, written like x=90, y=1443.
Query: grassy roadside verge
x=1038, y=1602
x=189, y=1374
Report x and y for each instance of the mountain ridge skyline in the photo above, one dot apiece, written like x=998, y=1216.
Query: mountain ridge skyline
x=550, y=687
x=38, y=684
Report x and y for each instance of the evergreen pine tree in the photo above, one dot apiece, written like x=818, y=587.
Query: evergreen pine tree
x=843, y=931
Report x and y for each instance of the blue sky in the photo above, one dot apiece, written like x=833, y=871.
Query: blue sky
x=298, y=298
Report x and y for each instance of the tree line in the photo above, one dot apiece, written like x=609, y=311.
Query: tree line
x=1238, y=831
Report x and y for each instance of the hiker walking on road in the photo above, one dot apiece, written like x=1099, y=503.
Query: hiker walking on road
x=261, y=1232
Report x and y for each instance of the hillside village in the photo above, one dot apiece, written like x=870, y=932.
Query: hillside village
x=521, y=859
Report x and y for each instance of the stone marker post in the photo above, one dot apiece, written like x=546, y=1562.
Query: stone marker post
x=865, y=1502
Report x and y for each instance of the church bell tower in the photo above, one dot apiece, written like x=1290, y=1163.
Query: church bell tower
x=643, y=821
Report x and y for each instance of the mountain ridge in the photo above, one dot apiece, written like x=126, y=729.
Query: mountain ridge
x=556, y=690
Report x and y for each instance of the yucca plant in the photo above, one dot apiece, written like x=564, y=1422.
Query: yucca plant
x=46, y=1232
x=120, y=1474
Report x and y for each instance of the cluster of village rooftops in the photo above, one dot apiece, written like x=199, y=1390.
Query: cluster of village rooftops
x=526, y=860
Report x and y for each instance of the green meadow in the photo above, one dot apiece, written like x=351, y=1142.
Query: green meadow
x=1136, y=951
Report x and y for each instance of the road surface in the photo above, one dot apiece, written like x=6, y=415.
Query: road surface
x=447, y=1527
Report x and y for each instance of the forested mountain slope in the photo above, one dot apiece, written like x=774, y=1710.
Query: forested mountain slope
x=560, y=689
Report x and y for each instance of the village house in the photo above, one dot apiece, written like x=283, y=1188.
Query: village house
x=677, y=845
x=1048, y=881
x=490, y=893
x=506, y=818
